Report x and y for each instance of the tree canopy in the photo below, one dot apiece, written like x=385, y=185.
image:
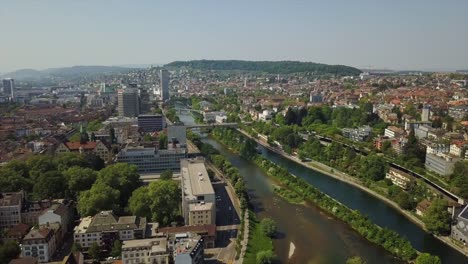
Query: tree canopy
x=437, y=218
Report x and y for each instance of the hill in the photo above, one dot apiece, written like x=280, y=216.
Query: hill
x=274, y=67
x=75, y=71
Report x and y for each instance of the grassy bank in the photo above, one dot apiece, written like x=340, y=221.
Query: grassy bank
x=258, y=241
x=288, y=195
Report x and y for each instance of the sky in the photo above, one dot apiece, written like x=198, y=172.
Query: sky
x=397, y=34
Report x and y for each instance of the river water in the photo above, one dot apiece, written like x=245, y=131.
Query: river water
x=318, y=238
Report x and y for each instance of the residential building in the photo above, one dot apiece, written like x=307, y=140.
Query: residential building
x=441, y=163
x=57, y=213
x=398, y=177
x=105, y=227
x=207, y=232
x=198, y=197
x=422, y=207
x=96, y=147
x=211, y=116
x=145, y=251
x=457, y=147
x=24, y=260
x=151, y=123
x=39, y=243
x=188, y=249
x=458, y=112
x=18, y=232
x=421, y=131
x=316, y=98
x=153, y=160
x=128, y=102
x=164, y=75
x=265, y=115
x=11, y=204
x=393, y=132
x=221, y=119
x=9, y=87
x=460, y=228
x=426, y=111
x=357, y=134
x=73, y=258
x=177, y=134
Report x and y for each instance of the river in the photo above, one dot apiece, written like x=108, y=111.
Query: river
x=317, y=237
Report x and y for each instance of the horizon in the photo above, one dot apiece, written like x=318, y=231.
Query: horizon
x=420, y=35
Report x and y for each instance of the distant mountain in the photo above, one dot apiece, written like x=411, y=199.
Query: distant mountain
x=30, y=74
x=275, y=67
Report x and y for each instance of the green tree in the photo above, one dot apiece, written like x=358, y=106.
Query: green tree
x=79, y=179
x=94, y=251
x=373, y=167
x=50, y=184
x=248, y=149
x=9, y=250
x=437, y=218
x=99, y=197
x=265, y=257
x=122, y=177
x=116, y=249
x=162, y=141
x=66, y=160
x=13, y=181
x=403, y=199
x=159, y=202
x=426, y=258
x=355, y=260
x=76, y=247
x=166, y=175
x=268, y=226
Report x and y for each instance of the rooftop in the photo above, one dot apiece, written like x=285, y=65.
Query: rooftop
x=158, y=244
x=195, y=178
x=11, y=198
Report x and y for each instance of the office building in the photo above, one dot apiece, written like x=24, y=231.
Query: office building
x=105, y=227
x=393, y=132
x=198, y=197
x=151, y=123
x=9, y=87
x=11, y=204
x=128, y=102
x=460, y=229
x=164, y=75
x=152, y=160
x=188, y=249
x=177, y=134
x=357, y=134
x=145, y=251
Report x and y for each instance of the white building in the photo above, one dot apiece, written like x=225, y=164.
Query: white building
x=198, y=196
x=265, y=115
x=221, y=119
x=56, y=214
x=399, y=178
x=145, y=251
x=39, y=243
x=393, y=132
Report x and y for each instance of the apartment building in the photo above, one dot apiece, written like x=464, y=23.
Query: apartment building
x=188, y=249
x=198, y=197
x=146, y=251
x=105, y=227
x=440, y=163
x=151, y=123
x=11, y=204
x=57, y=214
x=97, y=147
x=398, y=177
x=39, y=243
x=393, y=132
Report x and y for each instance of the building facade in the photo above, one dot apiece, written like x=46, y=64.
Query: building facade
x=152, y=160
x=398, y=177
x=145, y=251
x=188, y=249
x=151, y=123
x=96, y=147
x=128, y=102
x=9, y=87
x=105, y=227
x=39, y=243
x=164, y=75
x=198, y=196
x=442, y=164
x=11, y=204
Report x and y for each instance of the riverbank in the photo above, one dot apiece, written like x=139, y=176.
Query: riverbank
x=329, y=171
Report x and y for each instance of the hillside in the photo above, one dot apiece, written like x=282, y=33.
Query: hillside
x=30, y=74
x=274, y=67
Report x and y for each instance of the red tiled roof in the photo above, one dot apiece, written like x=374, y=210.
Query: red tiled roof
x=77, y=145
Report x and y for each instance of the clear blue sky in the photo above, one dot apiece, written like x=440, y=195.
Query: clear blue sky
x=397, y=34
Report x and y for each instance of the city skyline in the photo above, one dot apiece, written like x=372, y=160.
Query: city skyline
x=420, y=35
